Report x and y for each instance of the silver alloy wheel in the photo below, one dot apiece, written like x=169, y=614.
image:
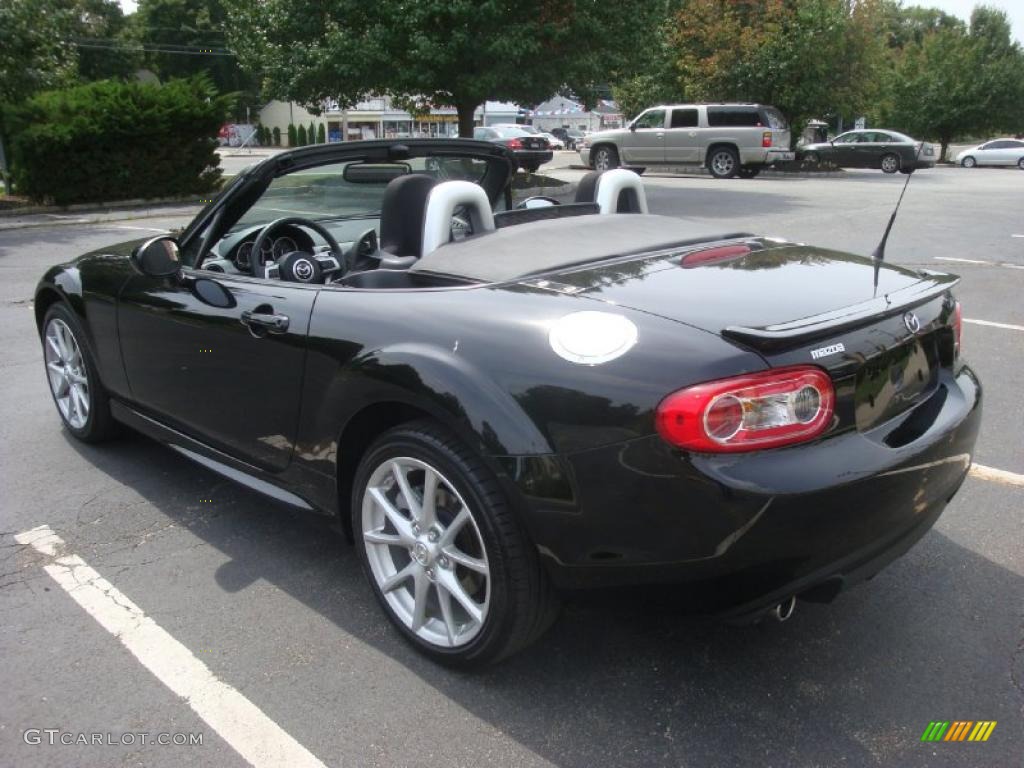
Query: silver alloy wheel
x=890, y=163
x=424, y=549
x=723, y=163
x=603, y=159
x=968, y=162
x=66, y=371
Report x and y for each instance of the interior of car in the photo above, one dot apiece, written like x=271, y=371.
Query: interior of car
x=357, y=224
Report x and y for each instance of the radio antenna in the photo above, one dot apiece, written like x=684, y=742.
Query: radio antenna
x=879, y=253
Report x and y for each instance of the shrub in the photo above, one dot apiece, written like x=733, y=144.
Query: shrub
x=293, y=136
x=311, y=134
x=107, y=141
x=302, y=140
x=277, y=136
x=321, y=134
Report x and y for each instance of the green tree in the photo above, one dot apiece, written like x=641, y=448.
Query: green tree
x=293, y=136
x=301, y=139
x=104, y=41
x=277, y=136
x=809, y=58
x=187, y=37
x=321, y=134
x=311, y=134
x=959, y=82
x=437, y=52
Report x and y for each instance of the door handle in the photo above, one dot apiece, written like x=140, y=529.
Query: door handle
x=267, y=321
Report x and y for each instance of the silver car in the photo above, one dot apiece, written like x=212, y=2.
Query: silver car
x=995, y=152
x=729, y=139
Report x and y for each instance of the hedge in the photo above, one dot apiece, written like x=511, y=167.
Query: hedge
x=108, y=141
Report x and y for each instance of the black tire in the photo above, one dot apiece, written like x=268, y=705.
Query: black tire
x=99, y=425
x=522, y=604
x=531, y=168
x=637, y=171
x=604, y=158
x=1020, y=163
x=811, y=159
x=889, y=163
x=748, y=172
x=906, y=171
x=723, y=162
x=968, y=162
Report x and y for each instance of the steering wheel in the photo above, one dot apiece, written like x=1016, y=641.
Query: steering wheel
x=298, y=266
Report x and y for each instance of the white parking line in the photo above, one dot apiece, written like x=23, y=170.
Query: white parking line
x=991, y=324
x=257, y=738
x=997, y=475
x=982, y=262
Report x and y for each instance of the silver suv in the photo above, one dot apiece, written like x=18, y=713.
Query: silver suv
x=729, y=139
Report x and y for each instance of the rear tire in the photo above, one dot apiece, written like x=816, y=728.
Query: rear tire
x=890, y=163
x=482, y=588
x=1020, y=163
x=82, y=402
x=748, y=172
x=968, y=162
x=637, y=171
x=723, y=162
x=604, y=158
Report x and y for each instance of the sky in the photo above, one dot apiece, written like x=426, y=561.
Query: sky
x=962, y=8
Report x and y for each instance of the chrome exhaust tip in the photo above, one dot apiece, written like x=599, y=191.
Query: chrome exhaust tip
x=784, y=610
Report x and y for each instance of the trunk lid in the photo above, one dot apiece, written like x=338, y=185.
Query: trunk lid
x=882, y=331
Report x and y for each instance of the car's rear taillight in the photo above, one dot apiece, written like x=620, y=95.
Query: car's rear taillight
x=958, y=327
x=748, y=413
x=514, y=144
x=711, y=255
x=766, y=139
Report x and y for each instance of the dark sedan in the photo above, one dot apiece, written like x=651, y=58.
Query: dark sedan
x=530, y=150
x=499, y=404
x=889, y=151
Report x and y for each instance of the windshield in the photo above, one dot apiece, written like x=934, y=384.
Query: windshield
x=509, y=132
x=350, y=189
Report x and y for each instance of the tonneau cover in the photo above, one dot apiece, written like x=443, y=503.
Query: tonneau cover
x=527, y=249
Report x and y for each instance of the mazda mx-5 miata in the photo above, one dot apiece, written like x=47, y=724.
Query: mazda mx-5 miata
x=502, y=403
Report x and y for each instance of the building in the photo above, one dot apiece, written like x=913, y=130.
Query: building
x=378, y=117
x=561, y=112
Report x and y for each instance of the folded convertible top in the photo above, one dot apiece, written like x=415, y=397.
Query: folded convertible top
x=511, y=252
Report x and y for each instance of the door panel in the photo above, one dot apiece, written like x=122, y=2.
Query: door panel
x=682, y=140
x=647, y=143
x=201, y=370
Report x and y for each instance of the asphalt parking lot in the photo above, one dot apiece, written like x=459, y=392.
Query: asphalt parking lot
x=273, y=601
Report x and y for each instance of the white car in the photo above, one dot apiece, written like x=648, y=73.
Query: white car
x=554, y=141
x=995, y=152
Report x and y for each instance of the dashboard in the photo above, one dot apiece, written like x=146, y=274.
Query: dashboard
x=233, y=253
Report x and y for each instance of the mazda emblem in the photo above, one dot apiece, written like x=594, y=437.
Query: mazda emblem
x=303, y=270
x=912, y=322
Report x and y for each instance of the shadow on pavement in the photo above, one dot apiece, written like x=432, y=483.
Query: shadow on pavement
x=614, y=683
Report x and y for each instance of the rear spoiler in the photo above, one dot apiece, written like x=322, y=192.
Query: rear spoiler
x=774, y=338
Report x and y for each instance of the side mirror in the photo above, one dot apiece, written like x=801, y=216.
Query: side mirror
x=158, y=257
x=632, y=127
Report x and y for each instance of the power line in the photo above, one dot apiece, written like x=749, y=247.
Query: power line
x=152, y=48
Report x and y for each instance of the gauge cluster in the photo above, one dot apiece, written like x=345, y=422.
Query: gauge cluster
x=271, y=250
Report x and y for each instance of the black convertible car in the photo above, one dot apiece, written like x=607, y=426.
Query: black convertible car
x=504, y=402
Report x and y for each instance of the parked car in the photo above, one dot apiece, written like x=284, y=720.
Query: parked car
x=729, y=139
x=569, y=136
x=890, y=151
x=995, y=152
x=579, y=395
x=531, y=150
x=553, y=141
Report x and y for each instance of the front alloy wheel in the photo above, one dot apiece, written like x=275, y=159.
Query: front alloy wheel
x=65, y=369
x=724, y=163
x=968, y=162
x=890, y=164
x=605, y=159
x=425, y=552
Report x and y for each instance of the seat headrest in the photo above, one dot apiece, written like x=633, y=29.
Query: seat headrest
x=615, y=191
x=586, y=192
x=401, y=214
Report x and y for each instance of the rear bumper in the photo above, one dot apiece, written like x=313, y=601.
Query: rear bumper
x=527, y=157
x=765, y=156
x=738, y=533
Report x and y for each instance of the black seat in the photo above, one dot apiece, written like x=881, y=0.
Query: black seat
x=401, y=219
x=586, y=192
